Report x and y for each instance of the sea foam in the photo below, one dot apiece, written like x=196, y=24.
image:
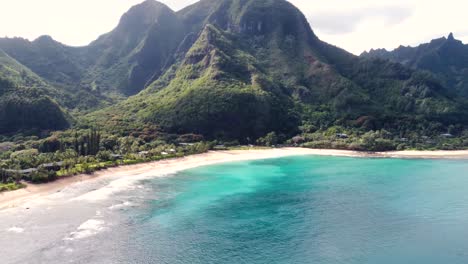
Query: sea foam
x=15, y=229
x=89, y=228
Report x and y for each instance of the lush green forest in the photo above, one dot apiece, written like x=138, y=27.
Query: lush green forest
x=447, y=58
x=218, y=73
x=24, y=100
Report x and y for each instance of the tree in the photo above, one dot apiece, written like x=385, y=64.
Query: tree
x=377, y=141
x=110, y=143
x=76, y=145
x=93, y=142
x=270, y=139
x=125, y=144
x=3, y=173
x=51, y=144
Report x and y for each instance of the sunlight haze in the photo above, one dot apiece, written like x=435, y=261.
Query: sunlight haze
x=353, y=25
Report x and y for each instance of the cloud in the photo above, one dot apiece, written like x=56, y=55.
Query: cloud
x=346, y=21
x=353, y=25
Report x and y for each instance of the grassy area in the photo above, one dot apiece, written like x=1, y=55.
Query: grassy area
x=11, y=186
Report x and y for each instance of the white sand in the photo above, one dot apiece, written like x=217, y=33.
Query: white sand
x=129, y=174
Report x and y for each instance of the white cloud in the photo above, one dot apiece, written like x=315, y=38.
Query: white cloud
x=353, y=25
x=341, y=22
x=427, y=20
x=69, y=21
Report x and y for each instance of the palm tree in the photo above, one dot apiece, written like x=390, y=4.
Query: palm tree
x=3, y=173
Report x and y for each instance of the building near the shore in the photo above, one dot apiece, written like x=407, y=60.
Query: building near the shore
x=53, y=166
x=24, y=174
x=447, y=135
x=342, y=136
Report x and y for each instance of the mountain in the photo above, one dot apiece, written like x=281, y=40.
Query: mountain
x=137, y=50
x=246, y=68
x=24, y=100
x=232, y=69
x=48, y=58
x=58, y=66
x=117, y=64
x=447, y=58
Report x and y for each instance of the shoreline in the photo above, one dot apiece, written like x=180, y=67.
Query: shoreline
x=16, y=198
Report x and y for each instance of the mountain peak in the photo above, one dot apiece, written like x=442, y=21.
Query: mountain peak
x=450, y=36
x=148, y=6
x=44, y=39
x=452, y=41
x=135, y=23
x=145, y=13
x=152, y=3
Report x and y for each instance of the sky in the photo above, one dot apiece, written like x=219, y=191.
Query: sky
x=356, y=25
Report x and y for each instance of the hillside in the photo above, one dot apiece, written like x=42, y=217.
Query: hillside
x=216, y=74
x=136, y=51
x=237, y=70
x=24, y=100
x=117, y=64
x=447, y=58
x=250, y=67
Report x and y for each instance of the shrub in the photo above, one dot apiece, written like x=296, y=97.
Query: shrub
x=355, y=146
x=190, y=138
x=88, y=169
x=43, y=176
x=104, y=155
x=270, y=139
x=11, y=186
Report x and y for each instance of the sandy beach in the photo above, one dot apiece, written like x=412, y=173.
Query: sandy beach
x=166, y=167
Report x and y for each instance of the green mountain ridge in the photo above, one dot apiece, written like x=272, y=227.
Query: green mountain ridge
x=137, y=50
x=234, y=69
x=49, y=59
x=117, y=64
x=447, y=58
x=25, y=103
x=58, y=67
x=256, y=66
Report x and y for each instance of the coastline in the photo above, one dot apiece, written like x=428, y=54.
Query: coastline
x=165, y=167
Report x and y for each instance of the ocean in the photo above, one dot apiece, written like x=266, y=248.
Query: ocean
x=294, y=210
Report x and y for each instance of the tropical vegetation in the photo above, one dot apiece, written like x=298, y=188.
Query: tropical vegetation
x=214, y=75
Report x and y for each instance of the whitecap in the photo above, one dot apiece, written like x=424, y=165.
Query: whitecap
x=107, y=191
x=121, y=205
x=89, y=228
x=15, y=229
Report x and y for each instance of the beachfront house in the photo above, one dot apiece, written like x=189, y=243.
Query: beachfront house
x=115, y=157
x=143, y=154
x=342, y=136
x=447, y=135
x=54, y=166
x=298, y=140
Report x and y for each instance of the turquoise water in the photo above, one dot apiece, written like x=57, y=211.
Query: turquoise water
x=305, y=210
